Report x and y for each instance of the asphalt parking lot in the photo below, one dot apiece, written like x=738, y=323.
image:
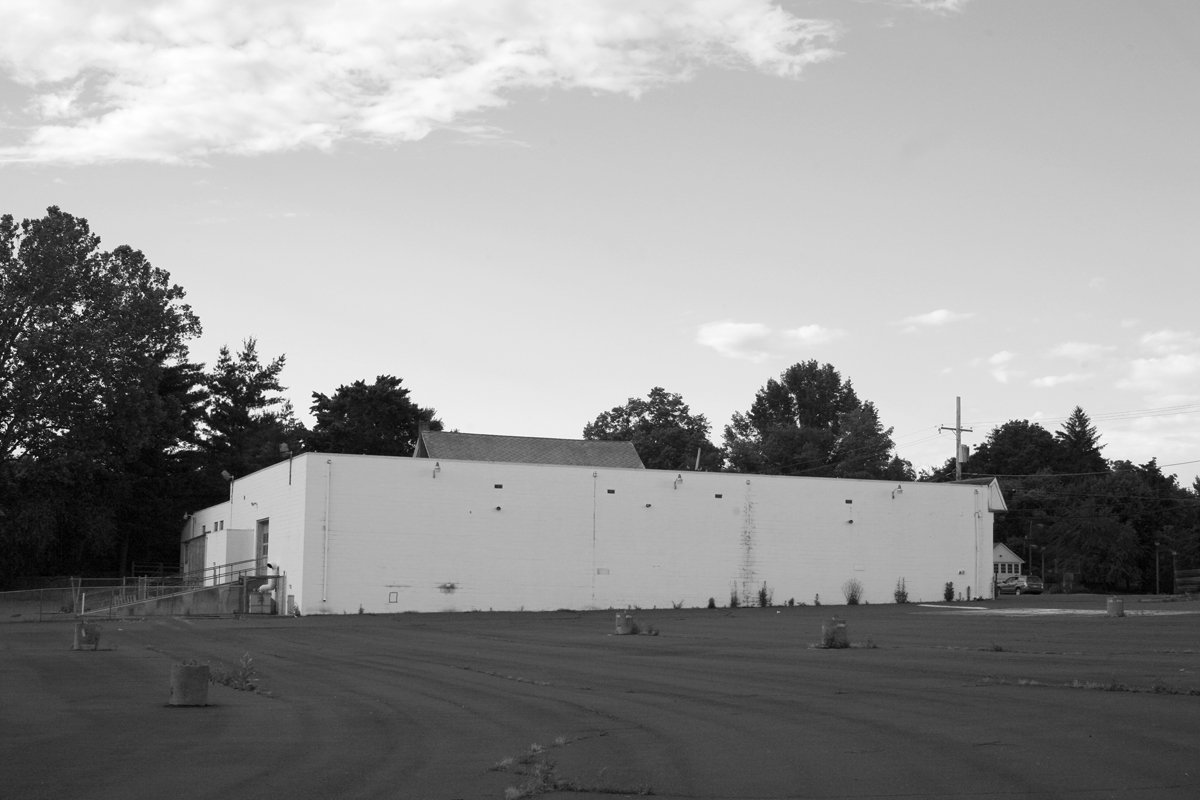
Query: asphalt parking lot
x=1030, y=696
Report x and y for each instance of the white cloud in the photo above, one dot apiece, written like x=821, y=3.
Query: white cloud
x=1129, y=323
x=1050, y=381
x=934, y=318
x=757, y=342
x=174, y=82
x=934, y=5
x=1170, y=370
x=1163, y=373
x=1000, y=370
x=1083, y=351
x=1166, y=342
x=1003, y=357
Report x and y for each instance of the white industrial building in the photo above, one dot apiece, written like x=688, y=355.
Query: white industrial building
x=477, y=532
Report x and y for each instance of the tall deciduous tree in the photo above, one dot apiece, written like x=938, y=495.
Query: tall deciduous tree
x=93, y=349
x=811, y=422
x=664, y=431
x=377, y=419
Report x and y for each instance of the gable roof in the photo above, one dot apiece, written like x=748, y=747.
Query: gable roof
x=1001, y=553
x=526, y=450
x=996, y=502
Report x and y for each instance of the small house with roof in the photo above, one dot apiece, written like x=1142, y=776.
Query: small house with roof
x=1005, y=562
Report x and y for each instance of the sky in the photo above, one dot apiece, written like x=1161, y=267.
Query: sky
x=533, y=211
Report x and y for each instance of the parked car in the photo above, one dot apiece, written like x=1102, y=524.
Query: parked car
x=1021, y=584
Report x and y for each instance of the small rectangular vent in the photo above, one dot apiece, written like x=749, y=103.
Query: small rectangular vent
x=717, y=496
x=849, y=501
x=499, y=485
x=612, y=491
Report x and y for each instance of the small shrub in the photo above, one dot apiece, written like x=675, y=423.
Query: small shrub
x=766, y=597
x=948, y=592
x=792, y=601
x=676, y=606
x=833, y=636
x=817, y=599
x=853, y=591
x=901, y=593
x=712, y=602
x=242, y=677
x=733, y=599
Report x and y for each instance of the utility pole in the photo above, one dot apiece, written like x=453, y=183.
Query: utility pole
x=958, y=432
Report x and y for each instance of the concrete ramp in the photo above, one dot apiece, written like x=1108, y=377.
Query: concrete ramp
x=209, y=600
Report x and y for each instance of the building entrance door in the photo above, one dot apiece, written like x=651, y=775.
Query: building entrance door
x=262, y=540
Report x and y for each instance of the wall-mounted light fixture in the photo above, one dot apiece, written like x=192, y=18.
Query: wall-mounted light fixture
x=678, y=480
x=285, y=452
x=437, y=467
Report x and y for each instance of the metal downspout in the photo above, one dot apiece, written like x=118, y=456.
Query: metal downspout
x=976, y=570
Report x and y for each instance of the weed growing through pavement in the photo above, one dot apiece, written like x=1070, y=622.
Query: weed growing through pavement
x=853, y=590
x=241, y=677
x=649, y=630
x=1157, y=687
x=541, y=776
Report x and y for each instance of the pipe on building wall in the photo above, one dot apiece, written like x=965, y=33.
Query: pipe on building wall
x=977, y=515
x=325, y=560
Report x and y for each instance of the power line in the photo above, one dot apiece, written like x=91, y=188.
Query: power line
x=1073, y=474
x=1111, y=416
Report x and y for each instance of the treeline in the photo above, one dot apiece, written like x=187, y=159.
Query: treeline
x=1111, y=524
x=109, y=433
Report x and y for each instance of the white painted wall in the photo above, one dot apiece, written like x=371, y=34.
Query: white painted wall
x=400, y=539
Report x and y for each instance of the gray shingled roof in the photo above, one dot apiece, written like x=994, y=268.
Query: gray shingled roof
x=526, y=450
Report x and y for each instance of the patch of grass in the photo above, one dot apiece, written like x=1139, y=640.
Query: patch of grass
x=853, y=591
x=995, y=648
